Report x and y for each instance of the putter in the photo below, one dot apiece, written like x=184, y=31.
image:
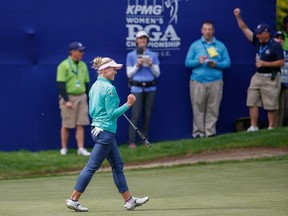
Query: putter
x=139, y=132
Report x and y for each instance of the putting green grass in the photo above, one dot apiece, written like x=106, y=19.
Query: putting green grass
x=250, y=188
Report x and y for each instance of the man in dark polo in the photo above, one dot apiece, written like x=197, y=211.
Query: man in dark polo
x=265, y=84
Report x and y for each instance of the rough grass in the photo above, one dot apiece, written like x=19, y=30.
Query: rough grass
x=30, y=164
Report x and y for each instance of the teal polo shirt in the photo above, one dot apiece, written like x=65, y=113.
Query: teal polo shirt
x=76, y=76
x=104, y=105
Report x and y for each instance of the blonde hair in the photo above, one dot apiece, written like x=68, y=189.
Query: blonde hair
x=99, y=61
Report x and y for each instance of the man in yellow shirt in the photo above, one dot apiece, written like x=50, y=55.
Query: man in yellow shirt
x=73, y=85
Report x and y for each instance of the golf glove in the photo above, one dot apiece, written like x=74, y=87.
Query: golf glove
x=95, y=131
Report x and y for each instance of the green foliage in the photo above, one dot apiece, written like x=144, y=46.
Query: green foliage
x=281, y=12
x=30, y=164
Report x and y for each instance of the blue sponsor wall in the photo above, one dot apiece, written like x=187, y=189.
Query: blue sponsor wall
x=34, y=36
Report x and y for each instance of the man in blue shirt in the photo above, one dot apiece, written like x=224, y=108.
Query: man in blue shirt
x=207, y=57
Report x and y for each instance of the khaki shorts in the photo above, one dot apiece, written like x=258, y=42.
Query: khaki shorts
x=78, y=115
x=264, y=92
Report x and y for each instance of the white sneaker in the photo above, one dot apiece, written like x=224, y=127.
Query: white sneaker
x=132, y=204
x=270, y=128
x=63, y=151
x=75, y=206
x=83, y=151
x=252, y=129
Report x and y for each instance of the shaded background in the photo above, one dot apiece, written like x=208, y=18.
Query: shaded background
x=34, y=36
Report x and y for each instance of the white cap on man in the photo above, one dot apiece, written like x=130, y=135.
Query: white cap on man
x=142, y=33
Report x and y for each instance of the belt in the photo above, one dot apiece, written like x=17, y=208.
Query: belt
x=264, y=74
x=142, y=84
x=77, y=94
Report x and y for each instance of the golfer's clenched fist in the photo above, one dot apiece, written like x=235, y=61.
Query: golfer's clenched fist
x=131, y=100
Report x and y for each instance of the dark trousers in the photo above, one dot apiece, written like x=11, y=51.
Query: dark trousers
x=143, y=106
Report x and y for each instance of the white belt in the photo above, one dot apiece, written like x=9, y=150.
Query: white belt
x=264, y=74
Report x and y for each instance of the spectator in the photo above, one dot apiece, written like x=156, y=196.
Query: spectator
x=142, y=71
x=265, y=84
x=73, y=86
x=104, y=110
x=207, y=57
x=282, y=111
x=279, y=37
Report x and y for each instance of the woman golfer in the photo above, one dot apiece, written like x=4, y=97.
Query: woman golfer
x=104, y=110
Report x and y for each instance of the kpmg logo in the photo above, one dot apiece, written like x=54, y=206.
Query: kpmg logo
x=158, y=18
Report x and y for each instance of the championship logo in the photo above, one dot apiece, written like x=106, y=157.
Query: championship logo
x=159, y=19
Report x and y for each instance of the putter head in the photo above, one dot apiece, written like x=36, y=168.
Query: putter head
x=148, y=143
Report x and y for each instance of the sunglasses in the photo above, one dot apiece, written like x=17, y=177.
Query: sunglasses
x=279, y=37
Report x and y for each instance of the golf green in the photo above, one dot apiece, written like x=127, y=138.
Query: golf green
x=251, y=188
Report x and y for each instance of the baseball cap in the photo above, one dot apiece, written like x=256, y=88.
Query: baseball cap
x=263, y=27
x=142, y=33
x=112, y=64
x=279, y=34
x=76, y=46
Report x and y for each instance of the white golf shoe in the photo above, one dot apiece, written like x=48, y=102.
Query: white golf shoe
x=75, y=206
x=63, y=151
x=252, y=129
x=134, y=202
x=83, y=151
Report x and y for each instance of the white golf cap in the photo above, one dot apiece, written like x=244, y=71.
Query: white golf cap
x=112, y=64
x=142, y=33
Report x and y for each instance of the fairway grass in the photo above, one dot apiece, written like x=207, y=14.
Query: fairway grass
x=251, y=188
